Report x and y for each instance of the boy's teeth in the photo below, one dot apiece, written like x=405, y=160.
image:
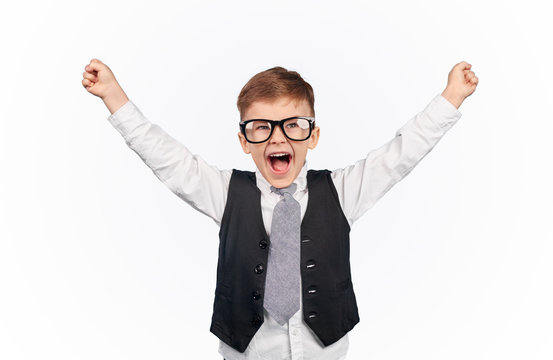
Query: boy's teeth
x=281, y=154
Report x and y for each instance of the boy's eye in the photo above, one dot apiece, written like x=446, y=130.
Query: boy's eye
x=297, y=124
x=258, y=126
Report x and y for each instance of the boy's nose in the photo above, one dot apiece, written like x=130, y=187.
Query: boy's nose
x=278, y=136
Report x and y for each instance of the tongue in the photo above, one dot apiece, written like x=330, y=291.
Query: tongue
x=279, y=165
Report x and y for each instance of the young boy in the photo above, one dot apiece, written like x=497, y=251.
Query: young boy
x=284, y=286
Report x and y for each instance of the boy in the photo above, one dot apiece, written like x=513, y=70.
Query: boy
x=284, y=286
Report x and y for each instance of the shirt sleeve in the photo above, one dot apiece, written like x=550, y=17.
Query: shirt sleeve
x=188, y=176
x=362, y=184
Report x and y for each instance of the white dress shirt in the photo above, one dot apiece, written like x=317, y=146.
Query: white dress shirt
x=359, y=187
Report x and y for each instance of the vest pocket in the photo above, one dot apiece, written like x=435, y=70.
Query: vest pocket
x=222, y=291
x=343, y=285
x=341, y=288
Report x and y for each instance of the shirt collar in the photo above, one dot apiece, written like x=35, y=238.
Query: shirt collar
x=300, y=181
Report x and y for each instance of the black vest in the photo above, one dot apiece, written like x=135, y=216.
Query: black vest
x=329, y=306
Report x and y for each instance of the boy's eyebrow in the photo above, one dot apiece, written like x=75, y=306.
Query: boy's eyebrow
x=288, y=118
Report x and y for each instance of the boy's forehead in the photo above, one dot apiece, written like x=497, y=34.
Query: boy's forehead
x=279, y=108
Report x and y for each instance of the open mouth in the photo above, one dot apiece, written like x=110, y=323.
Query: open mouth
x=279, y=162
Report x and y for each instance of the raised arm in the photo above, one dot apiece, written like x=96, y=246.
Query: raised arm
x=362, y=184
x=201, y=185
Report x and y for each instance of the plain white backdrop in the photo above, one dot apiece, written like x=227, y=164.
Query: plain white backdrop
x=98, y=260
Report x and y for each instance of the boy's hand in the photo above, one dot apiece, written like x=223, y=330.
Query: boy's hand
x=98, y=79
x=461, y=83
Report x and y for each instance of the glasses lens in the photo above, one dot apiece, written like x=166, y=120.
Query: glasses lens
x=258, y=130
x=297, y=129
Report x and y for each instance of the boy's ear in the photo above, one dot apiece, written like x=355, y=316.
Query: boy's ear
x=314, y=139
x=243, y=143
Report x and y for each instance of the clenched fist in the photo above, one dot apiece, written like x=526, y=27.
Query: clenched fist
x=461, y=83
x=98, y=79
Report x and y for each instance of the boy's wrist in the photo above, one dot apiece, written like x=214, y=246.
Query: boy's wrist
x=454, y=99
x=115, y=99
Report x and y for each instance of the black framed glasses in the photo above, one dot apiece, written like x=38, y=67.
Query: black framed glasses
x=297, y=128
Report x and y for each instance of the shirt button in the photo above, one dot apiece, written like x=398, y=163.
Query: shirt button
x=295, y=332
x=256, y=295
x=258, y=269
x=263, y=243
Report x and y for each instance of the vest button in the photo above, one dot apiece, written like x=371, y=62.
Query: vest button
x=310, y=265
x=256, y=320
x=312, y=315
x=263, y=243
x=258, y=269
x=256, y=295
x=312, y=290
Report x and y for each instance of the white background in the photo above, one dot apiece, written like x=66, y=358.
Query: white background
x=98, y=260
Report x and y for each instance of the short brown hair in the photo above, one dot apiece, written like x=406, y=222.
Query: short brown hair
x=272, y=84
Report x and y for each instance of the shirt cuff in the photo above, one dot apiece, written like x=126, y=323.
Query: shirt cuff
x=127, y=118
x=443, y=113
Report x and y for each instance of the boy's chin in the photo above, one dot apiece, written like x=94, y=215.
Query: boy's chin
x=280, y=180
x=281, y=183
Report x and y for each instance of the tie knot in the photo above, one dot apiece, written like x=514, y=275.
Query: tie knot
x=287, y=190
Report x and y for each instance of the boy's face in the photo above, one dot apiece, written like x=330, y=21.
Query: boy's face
x=279, y=173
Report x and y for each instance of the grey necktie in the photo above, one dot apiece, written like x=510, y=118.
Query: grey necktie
x=282, y=285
